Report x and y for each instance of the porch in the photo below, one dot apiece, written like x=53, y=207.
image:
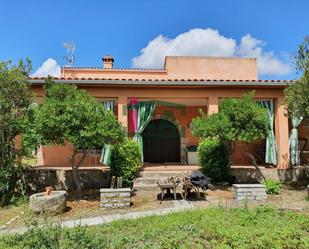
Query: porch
x=174, y=110
x=241, y=173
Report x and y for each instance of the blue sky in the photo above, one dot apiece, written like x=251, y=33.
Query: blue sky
x=269, y=30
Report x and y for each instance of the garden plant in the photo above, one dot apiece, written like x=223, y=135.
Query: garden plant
x=70, y=115
x=15, y=101
x=238, y=120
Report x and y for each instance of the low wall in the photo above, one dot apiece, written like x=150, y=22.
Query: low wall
x=115, y=197
x=250, y=175
x=250, y=192
x=61, y=179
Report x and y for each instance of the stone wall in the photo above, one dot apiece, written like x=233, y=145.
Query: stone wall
x=61, y=179
x=115, y=197
x=250, y=192
x=250, y=175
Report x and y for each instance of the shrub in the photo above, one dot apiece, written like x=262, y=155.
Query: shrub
x=71, y=115
x=125, y=161
x=272, y=187
x=214, y=159
x=15, y=99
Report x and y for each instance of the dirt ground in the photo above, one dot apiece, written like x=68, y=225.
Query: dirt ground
x=291, y=197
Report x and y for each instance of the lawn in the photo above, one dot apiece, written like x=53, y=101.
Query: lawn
x=260, y=227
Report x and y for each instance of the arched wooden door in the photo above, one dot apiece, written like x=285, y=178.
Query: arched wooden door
x=161, y=142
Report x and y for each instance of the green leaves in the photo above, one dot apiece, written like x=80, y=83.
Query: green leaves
x=273, y=187
x=302, y=57
x=71, y=115
x=297, y=93
x=126, y=161
x=15, y=98
x=240, y=120
x=214, y=159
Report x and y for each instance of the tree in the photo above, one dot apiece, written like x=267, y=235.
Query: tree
x=15, y=99
x=239, y=120
x=69, y=115
x=297, y=93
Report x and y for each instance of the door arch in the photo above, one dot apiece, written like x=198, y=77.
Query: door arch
x=161, y=142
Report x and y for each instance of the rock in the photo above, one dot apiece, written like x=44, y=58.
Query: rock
x=55, y=203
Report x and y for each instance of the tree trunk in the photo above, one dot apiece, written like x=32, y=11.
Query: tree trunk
x=254, y=163
x=75, y=172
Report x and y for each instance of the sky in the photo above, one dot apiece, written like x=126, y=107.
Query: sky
x=140, y=33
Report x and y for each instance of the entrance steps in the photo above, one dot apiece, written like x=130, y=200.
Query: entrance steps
x=149, y=175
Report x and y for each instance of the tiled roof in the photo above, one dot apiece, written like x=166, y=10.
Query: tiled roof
x=163, y=80
x=116, y=69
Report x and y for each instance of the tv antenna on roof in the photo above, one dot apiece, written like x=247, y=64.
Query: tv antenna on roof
x=69, y=55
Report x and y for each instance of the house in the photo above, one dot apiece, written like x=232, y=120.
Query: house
x=179, y=90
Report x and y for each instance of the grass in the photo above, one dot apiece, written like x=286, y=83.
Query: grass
x=16, y=208
x=261, y=227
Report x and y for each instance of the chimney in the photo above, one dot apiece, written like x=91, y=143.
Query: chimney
x=108, y=62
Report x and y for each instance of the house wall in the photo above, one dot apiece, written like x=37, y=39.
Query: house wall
x=192, y=67
x=59, y=156
x=177, y=67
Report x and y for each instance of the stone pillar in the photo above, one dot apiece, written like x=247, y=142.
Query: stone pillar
x=123, y=112
x=282, y=135
x=213, y=104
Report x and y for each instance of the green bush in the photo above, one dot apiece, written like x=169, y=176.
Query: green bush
x=272, y=187
x=214, y=159
x=125, y=161
x=54, y=237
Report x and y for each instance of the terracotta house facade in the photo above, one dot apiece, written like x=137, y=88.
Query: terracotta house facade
x=183, y=87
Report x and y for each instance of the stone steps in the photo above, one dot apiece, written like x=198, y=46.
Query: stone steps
x=148, y=179
x=146, y=184
x=146, y=187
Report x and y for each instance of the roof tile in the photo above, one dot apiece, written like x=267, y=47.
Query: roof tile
x=163, y=80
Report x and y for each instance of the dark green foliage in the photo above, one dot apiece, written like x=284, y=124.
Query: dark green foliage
x=15, y=99
x=301, y=58
x=126, y=161
x=297, y=97
x=272, y=187
x=55, y=237
x=214, y=159
x=241, y=120
x=261, y=227
x=70, y=115
x=210, y=126
x=297, y=93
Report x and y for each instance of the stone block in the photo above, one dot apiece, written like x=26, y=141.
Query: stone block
x=115, y=197
x=249, y=192
x=125, y=194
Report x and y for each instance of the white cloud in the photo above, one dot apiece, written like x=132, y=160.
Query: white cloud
x=209, y=42
x=49, y=67
x=195, y=42
x=268, y=62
